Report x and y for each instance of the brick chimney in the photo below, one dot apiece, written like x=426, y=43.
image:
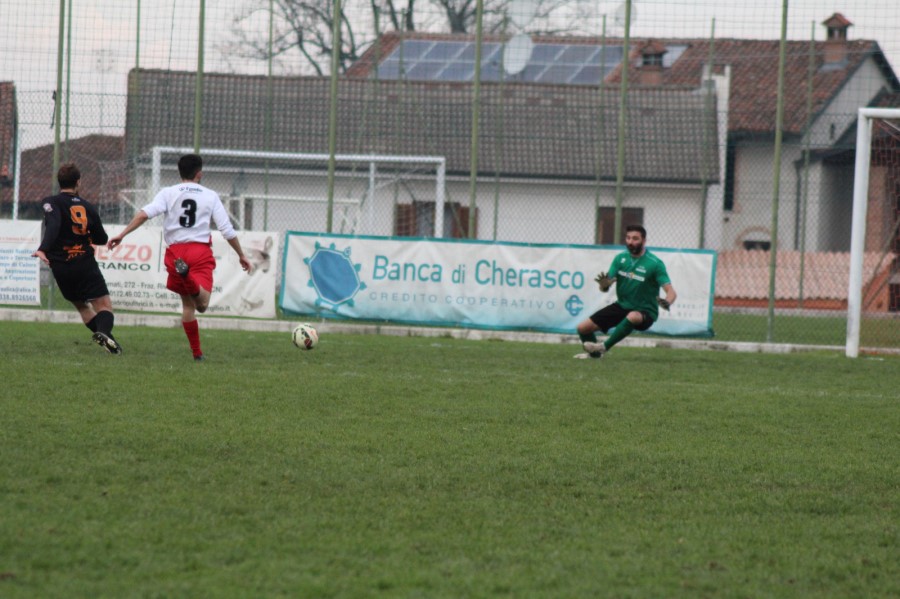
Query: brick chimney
x=651, y=71
x=836, y=42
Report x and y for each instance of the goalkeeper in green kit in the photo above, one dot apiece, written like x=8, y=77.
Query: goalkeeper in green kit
x=638, y=276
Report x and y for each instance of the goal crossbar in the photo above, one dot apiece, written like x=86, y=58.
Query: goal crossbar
x=439, y=163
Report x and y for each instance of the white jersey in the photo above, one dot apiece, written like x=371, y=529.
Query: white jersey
x=189, y=209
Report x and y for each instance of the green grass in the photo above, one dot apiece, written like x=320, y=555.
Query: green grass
x=805, y=330
x=729, y=326
x=416, y=467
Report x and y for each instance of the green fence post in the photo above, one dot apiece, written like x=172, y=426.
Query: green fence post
x=776, y=176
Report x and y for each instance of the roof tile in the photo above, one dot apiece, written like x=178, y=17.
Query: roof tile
x=525, y=129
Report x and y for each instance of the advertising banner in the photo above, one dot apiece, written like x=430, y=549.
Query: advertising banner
x=20, y=274
x=475, y=284
x=136, y=275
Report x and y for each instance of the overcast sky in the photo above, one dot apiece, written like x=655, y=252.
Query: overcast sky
x=104, y=33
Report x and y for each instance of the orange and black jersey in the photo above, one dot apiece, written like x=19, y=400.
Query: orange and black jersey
x=71, y=225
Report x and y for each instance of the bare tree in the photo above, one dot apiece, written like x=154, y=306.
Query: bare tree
x=550, y=16
x=302, y=37
x=460, y=13
x=302, y=29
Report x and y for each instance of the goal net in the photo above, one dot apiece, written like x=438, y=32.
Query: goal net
x=873, y=301
x=279, y=191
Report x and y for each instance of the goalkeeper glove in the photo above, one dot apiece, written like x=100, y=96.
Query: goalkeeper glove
x=663, y=303
x=603, y=281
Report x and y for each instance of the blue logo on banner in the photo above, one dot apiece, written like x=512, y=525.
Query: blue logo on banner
x=574, y=305
x=334, y=276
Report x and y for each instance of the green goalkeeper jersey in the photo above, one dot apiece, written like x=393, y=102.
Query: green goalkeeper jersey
x=638, y=281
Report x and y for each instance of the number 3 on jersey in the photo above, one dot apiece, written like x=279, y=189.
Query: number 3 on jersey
x=189, y=217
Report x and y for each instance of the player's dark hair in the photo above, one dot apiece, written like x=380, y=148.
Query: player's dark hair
x=637, y=228
x=68, y=175
x=189, y=165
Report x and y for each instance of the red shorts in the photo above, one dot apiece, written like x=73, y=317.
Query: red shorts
x=199, y=258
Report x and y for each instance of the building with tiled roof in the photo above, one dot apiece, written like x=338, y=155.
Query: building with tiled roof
x=547, y=146
x=842, y=74
x=104, y=174
x=548, y=133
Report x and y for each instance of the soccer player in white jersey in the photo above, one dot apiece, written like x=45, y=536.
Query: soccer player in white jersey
x=188, y=210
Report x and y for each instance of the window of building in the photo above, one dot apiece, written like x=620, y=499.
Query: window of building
x=606, y=223
x=416, y=219
x=730, y=165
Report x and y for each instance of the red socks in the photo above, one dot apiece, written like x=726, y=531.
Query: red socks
x=192, y=330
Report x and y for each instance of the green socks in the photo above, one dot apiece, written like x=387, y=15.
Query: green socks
x=592, y=337
x=622, y=330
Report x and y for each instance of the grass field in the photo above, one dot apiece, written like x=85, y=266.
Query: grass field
x=730, y=326
x=806, y=330
x=436, y=467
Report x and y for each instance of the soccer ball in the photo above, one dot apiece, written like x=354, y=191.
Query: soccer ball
x=305, y=336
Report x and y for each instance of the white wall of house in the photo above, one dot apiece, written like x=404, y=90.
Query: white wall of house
x=810, y=228
x=558, y=212
x=527, y=211
x=830, y=186
x=841, y=113
x=715, y=203
x=751, y=216
x=829, y=201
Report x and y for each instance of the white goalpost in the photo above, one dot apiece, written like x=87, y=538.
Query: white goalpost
x=374, y=174
x=858, y=227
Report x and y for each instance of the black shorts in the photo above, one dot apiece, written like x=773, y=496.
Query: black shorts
x=79, y=280
x=607, y=318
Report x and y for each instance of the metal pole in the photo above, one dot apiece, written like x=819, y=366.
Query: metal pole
x=804, y=196
x=198, y=90
x=17, y=180
x=269, y=98
x=332, y=113
x=54, y=185
x=623, y=103
x=598, y=164
x=708, y=108
x=69, y=82
x=776, y=176
x=133, y=135
x=57, y=108
x=498, y=142
x=476, y=115
x=370, y=197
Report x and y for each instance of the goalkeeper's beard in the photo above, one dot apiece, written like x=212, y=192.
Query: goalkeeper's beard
x=636, y=249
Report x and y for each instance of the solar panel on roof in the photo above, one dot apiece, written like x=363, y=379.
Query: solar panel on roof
x=546, y=52
x=579, y=54
x=468, y=52
x=533, y=71
x=589, y=75
x=558, y=73
x=578, y=64
x=413, y=49
x=489, y=52
x=611, y=54
x=490, y=72
x=443, y=51
x=389, y=70
x=457, y=71
x=424, y=70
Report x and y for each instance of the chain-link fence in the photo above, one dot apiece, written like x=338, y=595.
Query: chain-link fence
x=722, y=126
